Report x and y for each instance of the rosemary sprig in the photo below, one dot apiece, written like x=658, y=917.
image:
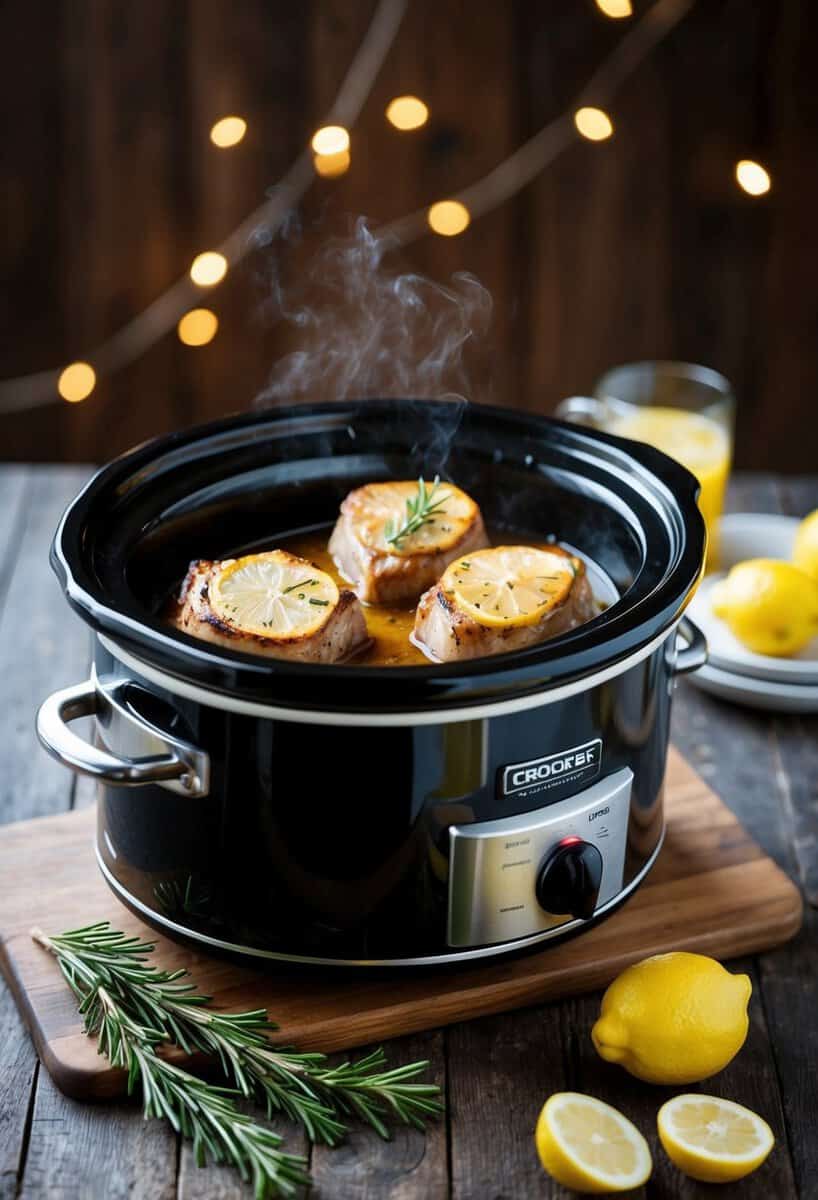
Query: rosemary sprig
x=301, y=1086
x=420, y=510
x=196, y=1109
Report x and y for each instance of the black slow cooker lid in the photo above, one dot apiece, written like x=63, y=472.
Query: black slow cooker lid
x=125, y=542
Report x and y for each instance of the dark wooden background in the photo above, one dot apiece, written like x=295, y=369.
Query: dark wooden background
x=639, y=247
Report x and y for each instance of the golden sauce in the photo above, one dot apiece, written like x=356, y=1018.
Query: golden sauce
x=389, y=628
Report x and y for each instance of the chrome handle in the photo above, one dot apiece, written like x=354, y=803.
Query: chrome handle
x=180, y=766
x=581, y=410
x=694, y=654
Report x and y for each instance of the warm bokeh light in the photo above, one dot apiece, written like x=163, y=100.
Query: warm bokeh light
x=198, y=327
x=208, y=268
x=228, y=132
x=407, y=112
x=331, y=165
x=448, y=217
x=332, y=139
x=593, y=124
x=752, y=177
x=76, y=382
x=615, y=8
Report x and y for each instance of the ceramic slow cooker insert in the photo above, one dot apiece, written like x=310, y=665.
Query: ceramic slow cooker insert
x=376, y=816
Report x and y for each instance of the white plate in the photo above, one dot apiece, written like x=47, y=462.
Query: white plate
x=756, y=693
x=742, y=536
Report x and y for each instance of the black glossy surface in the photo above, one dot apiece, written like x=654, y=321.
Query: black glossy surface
x=333, y=841
x=127, y=539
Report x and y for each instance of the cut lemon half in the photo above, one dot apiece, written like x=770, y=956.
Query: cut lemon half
x=711, y=1139
x=275, y=595
x=379, y=512
x=587, y=1145
x=510, y=585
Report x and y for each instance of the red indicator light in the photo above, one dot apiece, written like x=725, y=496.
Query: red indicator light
x=570, y=841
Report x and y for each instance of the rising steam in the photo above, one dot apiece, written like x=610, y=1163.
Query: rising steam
x=364, y=330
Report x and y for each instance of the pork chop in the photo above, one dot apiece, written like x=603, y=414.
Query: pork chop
x=274, y=604
x=391, y=556
x=502, y=599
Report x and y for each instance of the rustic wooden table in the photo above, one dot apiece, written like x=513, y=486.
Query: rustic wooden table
x=495, y=1071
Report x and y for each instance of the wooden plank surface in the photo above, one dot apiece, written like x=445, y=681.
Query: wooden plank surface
x=712, y=890
x=497, y=1070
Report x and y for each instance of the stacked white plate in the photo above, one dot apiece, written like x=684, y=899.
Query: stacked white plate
x=733, y=672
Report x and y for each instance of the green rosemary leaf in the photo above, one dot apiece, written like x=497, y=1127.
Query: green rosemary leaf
x=300, y=1086
x=420, y=510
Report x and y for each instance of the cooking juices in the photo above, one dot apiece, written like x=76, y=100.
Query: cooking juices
x=390, y=628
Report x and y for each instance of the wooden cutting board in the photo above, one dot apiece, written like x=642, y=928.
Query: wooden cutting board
x=712, y=890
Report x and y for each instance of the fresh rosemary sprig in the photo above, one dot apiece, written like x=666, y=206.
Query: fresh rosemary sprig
x=420, y=510
x=301, y=1086
x=195, y=1108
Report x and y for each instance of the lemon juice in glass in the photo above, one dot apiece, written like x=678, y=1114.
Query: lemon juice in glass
x=681, y=408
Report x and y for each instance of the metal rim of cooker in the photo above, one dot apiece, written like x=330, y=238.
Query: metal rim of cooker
x=610, y=641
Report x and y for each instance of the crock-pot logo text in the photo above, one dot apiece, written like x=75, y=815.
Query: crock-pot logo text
x=552, y=770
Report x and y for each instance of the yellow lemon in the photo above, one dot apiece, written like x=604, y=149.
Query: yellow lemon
x=769, y=605
x=805, y=550
x=712, y=1139
x=586, y=1145
x=673, y=1018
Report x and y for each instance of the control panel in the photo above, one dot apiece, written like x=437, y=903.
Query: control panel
x=525, y=874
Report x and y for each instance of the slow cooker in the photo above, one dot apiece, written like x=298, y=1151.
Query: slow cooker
x=370, y=817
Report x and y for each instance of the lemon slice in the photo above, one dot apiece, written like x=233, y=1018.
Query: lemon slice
x=510, y=585
x=712, y=1139
x=586, y=1145
x=380, y=508
x=275, y=595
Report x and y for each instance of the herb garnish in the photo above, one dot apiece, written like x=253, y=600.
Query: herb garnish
x=320, y=603
x=419, y=509
x=303, y=583
x=135, y=1008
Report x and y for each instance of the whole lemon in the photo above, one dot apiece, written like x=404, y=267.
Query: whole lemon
x=805, y=550
x=769, y=605
x=673, y=1018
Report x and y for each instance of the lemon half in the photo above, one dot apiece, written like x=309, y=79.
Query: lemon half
x=510, y=585
x=711, y=1139
x=275, y=595
x=587, y=1145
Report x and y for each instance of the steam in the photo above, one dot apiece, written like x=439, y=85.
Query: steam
x=363, y=330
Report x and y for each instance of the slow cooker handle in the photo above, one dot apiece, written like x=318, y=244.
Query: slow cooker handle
x=694, y=653
x=182, y=764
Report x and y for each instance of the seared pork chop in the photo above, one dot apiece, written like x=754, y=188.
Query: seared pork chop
x=274, y=604
x=390, y=557
x=502, y=599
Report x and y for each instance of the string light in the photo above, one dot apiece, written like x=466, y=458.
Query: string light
x=76, y=382
x=484, y=195
x=615, y=8
x=331, y=165
x=208, y=268
x=752, y=177
x=229, y=131
x=330, y=139
x=449, y=217
x=407, y=112
x=198, y=327
x=593, y=123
